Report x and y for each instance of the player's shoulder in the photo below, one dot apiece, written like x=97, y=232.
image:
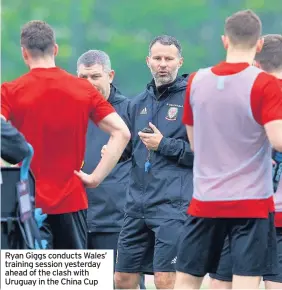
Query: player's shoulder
x=191, y=76
x=76, y=81
x=78, y=85
x=198, y=74
x=16, y=84
x=192, y=81
x=266, y=76
x=264, y=79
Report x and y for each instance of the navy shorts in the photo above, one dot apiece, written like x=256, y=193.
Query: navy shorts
x=253, y=252
x=148, y=245
x=277, y=277
x=224, y=270
x=103, y=241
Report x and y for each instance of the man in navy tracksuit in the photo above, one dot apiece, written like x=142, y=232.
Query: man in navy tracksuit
x=106, y=202
x=14, y=147
x=160, y=183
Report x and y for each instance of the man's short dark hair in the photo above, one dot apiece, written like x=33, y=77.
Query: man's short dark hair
x=243, y=29
x=270, y=57
x=92, y=57
x=166, y=40
x=38, y=38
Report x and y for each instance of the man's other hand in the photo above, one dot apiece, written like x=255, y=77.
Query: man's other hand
x=87, y=179
x=151, y=140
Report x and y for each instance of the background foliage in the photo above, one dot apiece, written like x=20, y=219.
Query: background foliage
x=124, y=28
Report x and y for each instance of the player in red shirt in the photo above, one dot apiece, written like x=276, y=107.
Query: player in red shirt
x=51, y=108
x=270, y=60
x=232, y=111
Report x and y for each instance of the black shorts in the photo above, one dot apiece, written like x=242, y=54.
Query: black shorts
x=108, y=241
x=103, y=241
x=224, y=270
x=277, y=277
x=253, y=246
x=65, y=231
x=148, y=245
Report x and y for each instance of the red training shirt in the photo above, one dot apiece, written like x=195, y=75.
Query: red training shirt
x=278, y=215
x=51, y=108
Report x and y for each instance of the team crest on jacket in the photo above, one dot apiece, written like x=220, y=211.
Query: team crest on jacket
x=172, y=113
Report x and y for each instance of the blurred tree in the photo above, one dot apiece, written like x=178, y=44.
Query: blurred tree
x=124, y=29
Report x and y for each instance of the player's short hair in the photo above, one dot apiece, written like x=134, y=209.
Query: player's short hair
x=243, y=29
x=166, y=40
x=270, y=57
x=38, y=38
x=92, y=57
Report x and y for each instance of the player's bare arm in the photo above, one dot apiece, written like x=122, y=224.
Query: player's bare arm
x=274, y=133
x=190, y=134
x=119, y=138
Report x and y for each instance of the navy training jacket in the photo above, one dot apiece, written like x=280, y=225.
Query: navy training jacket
x=14, y=147
x=106, y=202
x=164, y=191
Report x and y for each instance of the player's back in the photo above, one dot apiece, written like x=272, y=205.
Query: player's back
x=233, y=162
x=51, y=108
